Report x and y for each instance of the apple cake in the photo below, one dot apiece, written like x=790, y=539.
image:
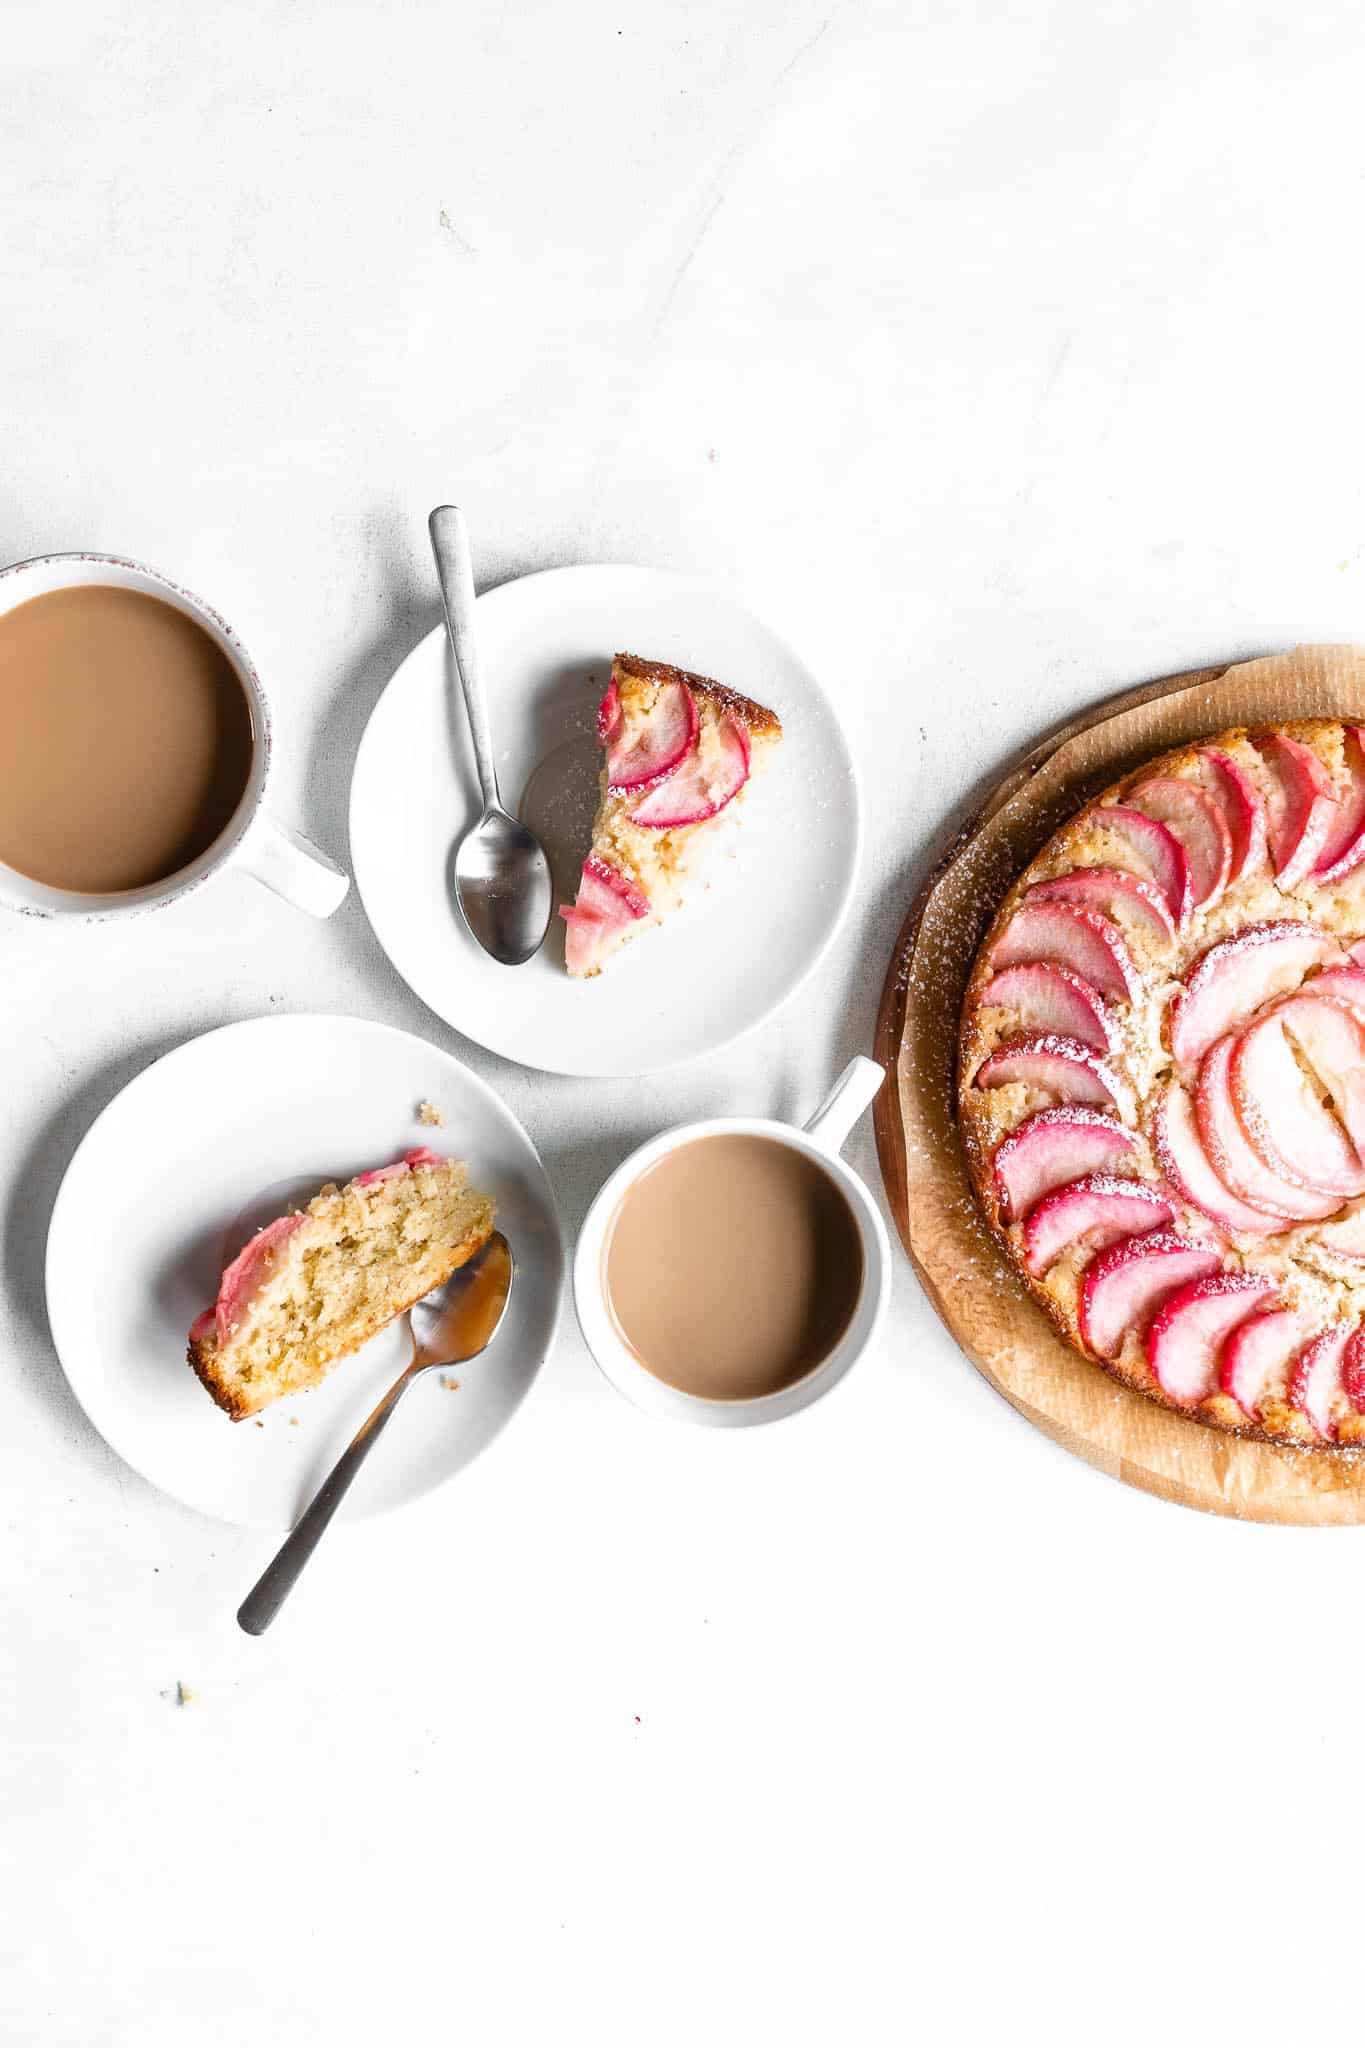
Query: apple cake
x=679, y=750
x=312, y=1286
x=1161, y=1081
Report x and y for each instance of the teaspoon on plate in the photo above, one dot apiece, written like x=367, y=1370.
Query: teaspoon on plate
x=449, y=1326
x=502, y=877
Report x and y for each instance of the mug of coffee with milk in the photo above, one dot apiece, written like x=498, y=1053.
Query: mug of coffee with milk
x=135, y=748
x=732, y=1272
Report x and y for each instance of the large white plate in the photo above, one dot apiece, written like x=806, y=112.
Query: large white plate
x=196, y=1152
x=722, y=963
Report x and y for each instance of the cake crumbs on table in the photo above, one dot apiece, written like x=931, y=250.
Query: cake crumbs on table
x=428, y=1113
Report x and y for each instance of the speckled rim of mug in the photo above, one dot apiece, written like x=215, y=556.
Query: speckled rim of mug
x=154, y=895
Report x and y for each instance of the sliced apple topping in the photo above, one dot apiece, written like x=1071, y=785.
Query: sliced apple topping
x=1330, y=1037
x=1059, y=1066
x=609, y=714
x=608, y=904
x=703, y=785
x=1234, y=977
x=1094, y=1211
x=1290, y=1129
x=1345, y=1235
x=1069, y=936
x=1344, y=848
x=1234, y=1159
x=1301, y=808
x=1054, y=1146
x=1353, y=1369
x=1114, y=892
x=1257, y=1355
x=1343, y=984
x=1195, y=819
x=1122, y=1288
x=1156, y=850
x=1316, y=1382
x=1187, y=1168
x=647, y=749
x=1047, y=998
x=1190, y=1327
x=1243, y=811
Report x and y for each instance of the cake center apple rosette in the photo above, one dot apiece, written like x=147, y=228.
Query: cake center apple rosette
x=1162, y=1081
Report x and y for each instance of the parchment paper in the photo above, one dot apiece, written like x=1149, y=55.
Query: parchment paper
x=973, y=1287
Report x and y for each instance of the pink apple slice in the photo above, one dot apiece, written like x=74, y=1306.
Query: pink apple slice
x=1063, y=1067
x=1156, y=850
x=1191, y=1326
x=1243, y=811
x=1289, y=1129
x=648, y=748
x=1095, y=1211
x=1068, y=936
x=609, y=714
x=420, y=1155
x=1195, y=819
x=1316, y=1382
x=1114, y=892
x=1123, y=1287
x=1187, y=1168
x=1257, y=1355
x=1233, y=1158
x=606, y=907
x=1345, y=1236
x=243, y=1279
x=704, y=784
x=1353, y=1369
x=1342, y=984
x=1330, y=1036
x=1344, y=848
x=1301, y=808
x=1047, y=998
x=1234, y=977
x=1054, y=1146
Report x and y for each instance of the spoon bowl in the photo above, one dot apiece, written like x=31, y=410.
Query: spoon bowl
x=503, y=887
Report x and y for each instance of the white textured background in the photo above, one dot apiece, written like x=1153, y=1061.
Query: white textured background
x=1003, y=355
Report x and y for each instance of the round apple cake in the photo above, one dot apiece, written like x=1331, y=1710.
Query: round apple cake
x=1161, y=1081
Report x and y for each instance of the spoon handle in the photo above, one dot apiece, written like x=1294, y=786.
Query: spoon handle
x=455, y=568
x=272, y=1589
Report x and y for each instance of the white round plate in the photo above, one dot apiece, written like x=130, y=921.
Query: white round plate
x=719, y=965
x=194, y=1154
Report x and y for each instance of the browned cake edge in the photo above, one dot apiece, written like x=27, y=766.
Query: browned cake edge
x=757, y=717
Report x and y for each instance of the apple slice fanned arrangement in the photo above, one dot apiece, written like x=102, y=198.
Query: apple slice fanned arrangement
x=679, y=750
x=1161, y=1084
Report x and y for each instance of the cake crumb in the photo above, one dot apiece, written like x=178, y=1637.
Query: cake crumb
x=451, y=1386
x=185, y=1695
x=259, y=1423
x=293, y=1422
x=428, y=1113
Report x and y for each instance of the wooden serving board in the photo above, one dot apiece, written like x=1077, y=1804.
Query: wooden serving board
x=973, y=1288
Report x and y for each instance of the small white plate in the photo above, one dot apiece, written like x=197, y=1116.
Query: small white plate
x=194, y=1154
x=723, y=962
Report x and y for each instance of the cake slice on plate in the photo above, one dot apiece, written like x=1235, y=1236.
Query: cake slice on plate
x=315, y=1285
x=679, y=751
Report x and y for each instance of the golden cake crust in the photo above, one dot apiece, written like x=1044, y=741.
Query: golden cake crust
x=1310, y=1277
x=757, y=717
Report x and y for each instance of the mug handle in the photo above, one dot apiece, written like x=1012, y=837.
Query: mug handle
x=294, y=868
x=845, y=1103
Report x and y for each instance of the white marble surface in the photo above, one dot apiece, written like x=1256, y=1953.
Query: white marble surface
x=1003, y=355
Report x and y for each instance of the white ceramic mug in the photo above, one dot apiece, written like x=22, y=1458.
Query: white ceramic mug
x=820, y=1140
x=251, y=840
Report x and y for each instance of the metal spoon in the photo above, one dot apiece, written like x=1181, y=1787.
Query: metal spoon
x=449, y=1327
x=502, y=877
